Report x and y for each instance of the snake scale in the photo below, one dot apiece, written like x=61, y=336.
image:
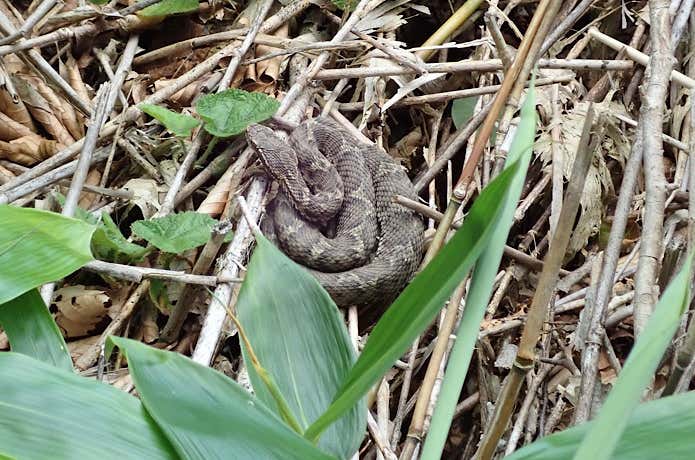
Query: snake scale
x=334, y=212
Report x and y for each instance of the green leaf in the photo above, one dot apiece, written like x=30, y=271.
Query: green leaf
x=299, y=337
x=32, y=330
x=206, y=414
x=462, y=110
x=178, y=124
x=345, y=5
x=37, y=247
x=47, y=413
x=419, y=303
x=168, y=7
x=108, y=243
x=603, y=437
x=481, y=285
x=229, y=113
x=80, y=213
x=656, y=429
x=176, y=233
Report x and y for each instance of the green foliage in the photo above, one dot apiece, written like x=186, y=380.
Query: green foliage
x=604, y=436
x=178, y=124
x=176, y=233
x=418, y=304
x=462, y=110
x=229, y=113
x=345, y=5
x=32, y=332
x=308, y=352
x=109, y=244
x=481, y=285
x=656, y=429
x=37, y=247
x=206, y=414
x=168, y=7
x=48, y=413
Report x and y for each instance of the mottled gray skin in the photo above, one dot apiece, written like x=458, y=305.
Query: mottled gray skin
x=376, y=244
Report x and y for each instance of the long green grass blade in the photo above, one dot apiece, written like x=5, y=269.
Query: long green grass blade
x=47, y=413
x=37, y=247
x=602, y=439
x=299, y=337
x=418, y=304
x=480, y=289
x=205, y=414
x=657, y=429
x=32, y=331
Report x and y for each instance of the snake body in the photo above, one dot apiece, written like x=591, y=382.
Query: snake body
x=335, y=213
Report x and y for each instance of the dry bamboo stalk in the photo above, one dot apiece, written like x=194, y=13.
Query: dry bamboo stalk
x=470, y=65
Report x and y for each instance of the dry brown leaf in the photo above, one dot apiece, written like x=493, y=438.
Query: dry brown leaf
x=63, y=110
x=216, y=200
x=28, y=150
x=42, y=112
x=80, y=310
x=150, y=329
x=269, y=69
x=10, y=129
x=146, y=195
x=79, y=347
x=87, y=199
x=17, y=112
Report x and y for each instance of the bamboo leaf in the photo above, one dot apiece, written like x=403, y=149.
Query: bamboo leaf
x=656, y=429
x=47, y=413
x=204, y=413
x=299, y=337
x=481, y=286
x=32, y=331
x=37, y=247
x=418, y=304
x=604, y=436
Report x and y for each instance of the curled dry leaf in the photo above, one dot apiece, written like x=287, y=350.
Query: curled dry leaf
x=146, y=192
x=80, y=310
x=591, y=201
x=28, y=150
x=268, y=70
x=42, y=112
x=18, y=112
x=71, y=72
x=214, y=203
x=62, y=109
x=87, y=199
x=10, y=129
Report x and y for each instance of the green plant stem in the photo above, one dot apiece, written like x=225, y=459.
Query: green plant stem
x=211, y=145
x=546, y=287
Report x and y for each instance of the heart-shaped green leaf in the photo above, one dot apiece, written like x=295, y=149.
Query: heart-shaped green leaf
x=229, y=113
x=176, y=233
x=168, y=7
x=178, y=124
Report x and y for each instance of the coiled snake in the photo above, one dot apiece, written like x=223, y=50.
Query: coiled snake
x=335, y=213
